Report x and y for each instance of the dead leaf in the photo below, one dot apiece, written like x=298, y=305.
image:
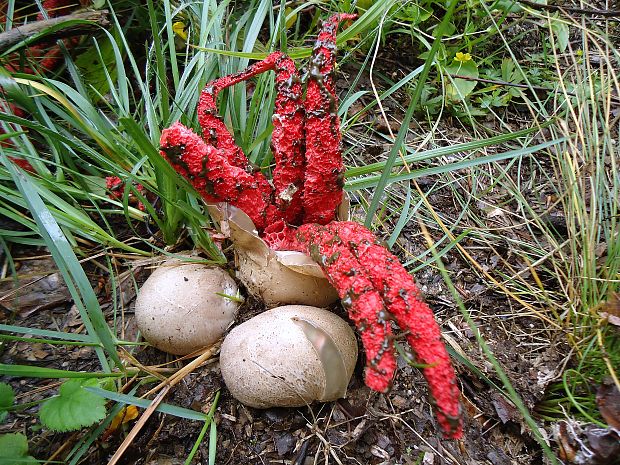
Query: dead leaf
x=610, y=310
x=608, y=401
x=506, y=411
x=128, y=413
x=587, y=445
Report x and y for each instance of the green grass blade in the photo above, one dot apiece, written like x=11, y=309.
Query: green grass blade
x=405, y=215
x=371, y=181
x=145, y=403
x=35, y=340
x=208, y=422
x=69, y=266
x=212, y=443
x=443, y=151
x=28, y=371
x=47, y=333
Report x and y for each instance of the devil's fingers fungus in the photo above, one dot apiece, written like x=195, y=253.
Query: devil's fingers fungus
x=289, y=357
x=183, y=307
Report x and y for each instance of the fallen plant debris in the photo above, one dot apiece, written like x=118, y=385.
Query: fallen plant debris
x=299, y=211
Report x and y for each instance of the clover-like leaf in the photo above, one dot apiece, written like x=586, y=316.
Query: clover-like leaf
x=457, y=89
x=14, y=449
x=73, y=408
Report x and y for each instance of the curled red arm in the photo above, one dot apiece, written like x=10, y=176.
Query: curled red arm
x=215, y=179
x=376, y=289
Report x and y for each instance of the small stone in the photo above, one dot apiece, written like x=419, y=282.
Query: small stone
x=285, y=443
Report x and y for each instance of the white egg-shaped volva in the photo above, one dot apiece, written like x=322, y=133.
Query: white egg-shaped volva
x=183, y=307
x=289, y=356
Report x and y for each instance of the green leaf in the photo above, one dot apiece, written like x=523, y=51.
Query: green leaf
x=458, y=89
x=14, y=450
x=73, y=408
x=508, y=6
x=561, y=32
x=414, y=14
x=7, y=397
x=96, y=64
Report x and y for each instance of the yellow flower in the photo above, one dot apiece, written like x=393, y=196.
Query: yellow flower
x=462, y=57
x=179, y=29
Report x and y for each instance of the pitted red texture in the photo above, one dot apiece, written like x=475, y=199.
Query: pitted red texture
x=377, y=289
x=287, y=136
x=287, y=141
x=116, y=187
x=277, y=235
x=354, y=286
x=214, y=131
x=324, y=177
x=215, y=179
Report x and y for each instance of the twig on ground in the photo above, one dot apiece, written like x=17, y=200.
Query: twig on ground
x=64, y=26
x=572, y=9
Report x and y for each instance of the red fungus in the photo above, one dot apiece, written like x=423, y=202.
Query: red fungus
x=215, y=179
x=361, y=269
x=374, y=287
x=287, y=136
x=23, y=164
x=324, y=177
x=116, y=187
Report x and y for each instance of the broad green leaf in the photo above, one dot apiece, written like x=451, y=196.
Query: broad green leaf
x=14, y=450
x=73, y=408
x=95, y=64
x=508, y=6
x=561, y=31
x=457, y=89
x=414, y=14
x=7, y=397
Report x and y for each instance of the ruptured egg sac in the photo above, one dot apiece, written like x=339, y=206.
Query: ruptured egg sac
x=289, y=356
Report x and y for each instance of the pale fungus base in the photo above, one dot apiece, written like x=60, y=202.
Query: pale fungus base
x=182, y=306
x=275, y=277
x=289, y=357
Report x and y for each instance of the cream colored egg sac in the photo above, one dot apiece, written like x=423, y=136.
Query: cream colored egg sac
x=183, y=307
x=289, y=356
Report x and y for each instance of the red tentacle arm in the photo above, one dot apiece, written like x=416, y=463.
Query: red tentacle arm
x=287, y=137
x=215, y=179
x=324, y=168
x=214, y=131
x=287, y=142
x=377, y=289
